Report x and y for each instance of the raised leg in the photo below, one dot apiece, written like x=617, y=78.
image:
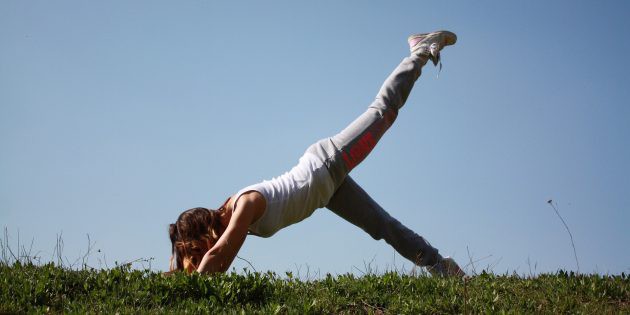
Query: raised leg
x=345, y=150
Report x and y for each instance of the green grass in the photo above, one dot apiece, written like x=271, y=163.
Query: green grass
x=31, y=288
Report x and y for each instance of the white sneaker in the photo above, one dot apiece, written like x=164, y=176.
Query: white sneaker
x=430, y=44
x=446, y=267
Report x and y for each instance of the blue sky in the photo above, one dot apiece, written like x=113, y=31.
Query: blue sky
x=116, y=116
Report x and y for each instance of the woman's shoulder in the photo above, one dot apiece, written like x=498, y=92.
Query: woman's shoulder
x=249, y=196
x=251, y=201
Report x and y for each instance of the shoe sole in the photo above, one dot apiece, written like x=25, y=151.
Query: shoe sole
x=450, y=37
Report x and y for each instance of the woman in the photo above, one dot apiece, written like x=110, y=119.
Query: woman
x=208, y=240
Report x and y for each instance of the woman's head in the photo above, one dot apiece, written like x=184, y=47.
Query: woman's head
x=192, y=235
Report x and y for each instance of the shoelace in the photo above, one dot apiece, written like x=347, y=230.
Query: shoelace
x=434, y=50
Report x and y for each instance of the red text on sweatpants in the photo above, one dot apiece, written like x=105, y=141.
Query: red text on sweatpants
x=359, y=150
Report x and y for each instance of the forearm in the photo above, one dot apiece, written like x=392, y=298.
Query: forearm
x=220, y=256
x=215, y=260
x=212, y=265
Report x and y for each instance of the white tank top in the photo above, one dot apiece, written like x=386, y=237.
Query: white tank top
x=292, y=196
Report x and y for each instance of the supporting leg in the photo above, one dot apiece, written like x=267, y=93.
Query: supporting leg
x=352, y=203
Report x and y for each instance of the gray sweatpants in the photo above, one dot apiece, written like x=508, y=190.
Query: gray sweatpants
x=345, y=150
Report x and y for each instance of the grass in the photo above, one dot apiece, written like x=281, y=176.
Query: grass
x=29, y=286
x=32, y=288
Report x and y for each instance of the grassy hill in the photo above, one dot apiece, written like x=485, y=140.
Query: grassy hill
x=47, y=288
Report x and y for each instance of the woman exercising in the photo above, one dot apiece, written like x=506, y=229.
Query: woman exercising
x=208, y=240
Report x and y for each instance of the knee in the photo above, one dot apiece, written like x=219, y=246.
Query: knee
x=385, y=106
x=376, y=234
x=385, y=227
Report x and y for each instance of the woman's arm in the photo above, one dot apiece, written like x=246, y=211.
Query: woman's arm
x=221, y=255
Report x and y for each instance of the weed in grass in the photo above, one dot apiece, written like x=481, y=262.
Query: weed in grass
x=555, y=208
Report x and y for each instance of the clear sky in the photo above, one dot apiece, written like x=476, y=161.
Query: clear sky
x=115, y=116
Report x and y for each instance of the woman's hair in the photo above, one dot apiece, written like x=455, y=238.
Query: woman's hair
x=191, y=233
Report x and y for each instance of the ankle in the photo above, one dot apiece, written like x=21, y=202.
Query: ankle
x=420, y=59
